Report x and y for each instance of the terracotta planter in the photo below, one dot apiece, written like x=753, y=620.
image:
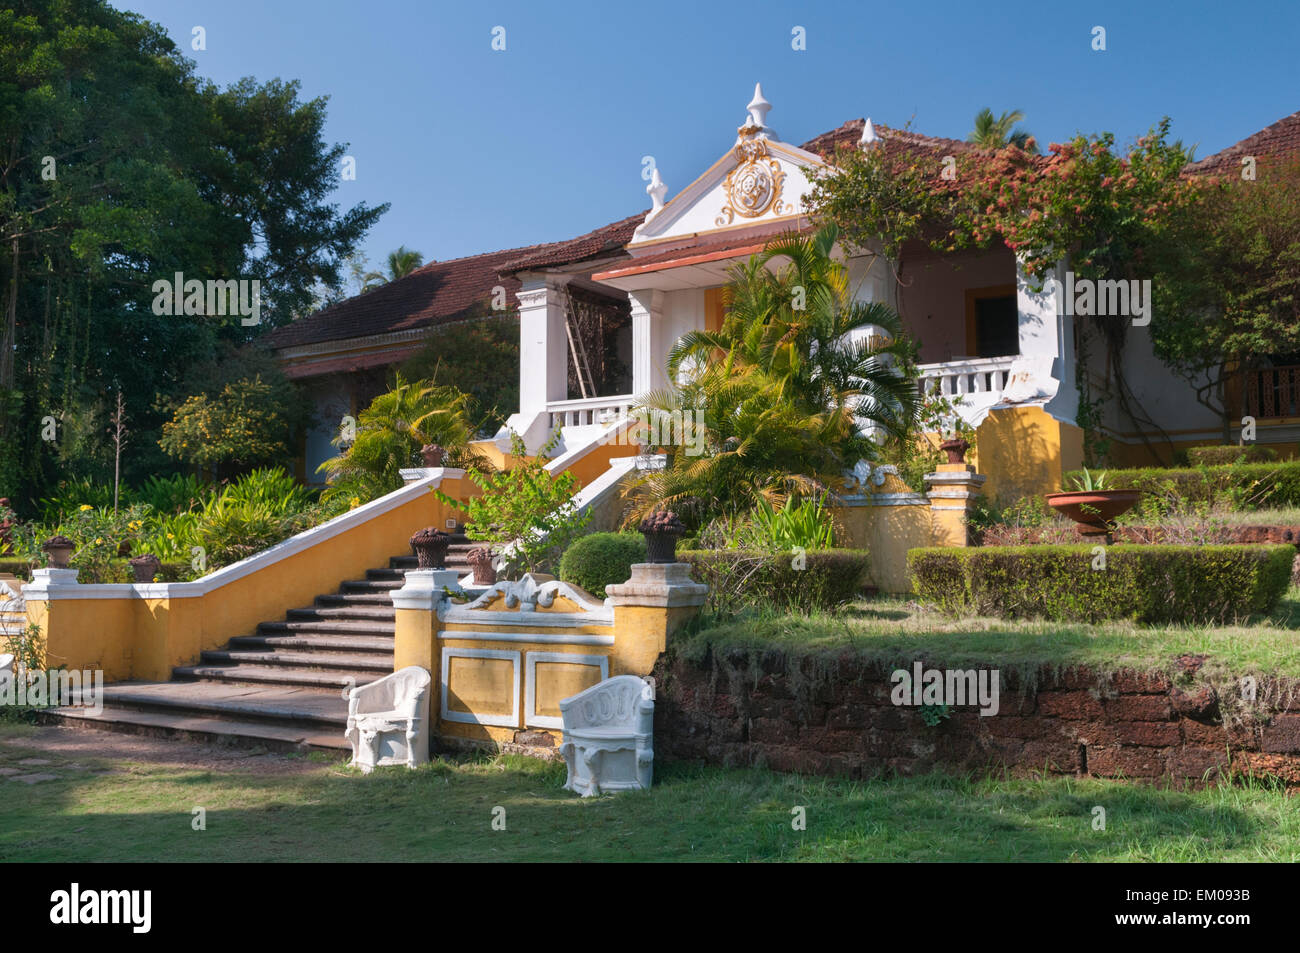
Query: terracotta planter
x=59, y=549
x=430, y=548
x=1094, y=510
x=480, y=560
x=145, y=567
x=661, y=531
x=432, y=454
x=956, y=449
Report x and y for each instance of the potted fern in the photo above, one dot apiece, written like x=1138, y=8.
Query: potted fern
x=1092, y=506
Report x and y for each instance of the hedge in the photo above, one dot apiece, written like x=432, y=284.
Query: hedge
x=1142, y=583
x=820, y=579
x=1219, y=456
x=602, y=559
x=1244, y=486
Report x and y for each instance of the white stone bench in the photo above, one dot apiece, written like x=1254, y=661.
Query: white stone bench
x=388, y=720
x=608, y=741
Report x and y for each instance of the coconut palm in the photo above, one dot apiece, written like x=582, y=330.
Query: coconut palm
x=783, y=390
x=998, y=133
x=401, y=263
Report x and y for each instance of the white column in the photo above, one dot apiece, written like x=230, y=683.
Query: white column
x=647, y=358
x=543, y=358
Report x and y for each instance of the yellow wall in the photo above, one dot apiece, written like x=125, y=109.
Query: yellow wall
x=485, y=687
x=146, y=638
x=1024, y=451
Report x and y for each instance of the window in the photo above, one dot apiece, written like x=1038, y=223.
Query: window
x=992, y=322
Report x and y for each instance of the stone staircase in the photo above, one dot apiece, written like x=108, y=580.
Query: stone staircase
x=281, y=687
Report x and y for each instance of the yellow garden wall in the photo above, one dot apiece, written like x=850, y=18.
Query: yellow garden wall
x=500, y=668
x=142, y=632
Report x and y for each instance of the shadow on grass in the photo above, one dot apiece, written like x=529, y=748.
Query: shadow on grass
x=445, y=812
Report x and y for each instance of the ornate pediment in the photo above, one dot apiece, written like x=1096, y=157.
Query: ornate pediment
x=759, y=180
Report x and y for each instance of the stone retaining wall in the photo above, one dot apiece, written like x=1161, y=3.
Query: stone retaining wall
x=821, y=715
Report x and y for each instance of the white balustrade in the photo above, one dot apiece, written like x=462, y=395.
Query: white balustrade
x=985, y=375
x=590, y=411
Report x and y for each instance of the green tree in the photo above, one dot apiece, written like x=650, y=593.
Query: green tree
x=998, y=132
x=240, y=427
x=1226, y=281
x=401, y=263
x=118, y=167
x=479, y=356
x=528, y=514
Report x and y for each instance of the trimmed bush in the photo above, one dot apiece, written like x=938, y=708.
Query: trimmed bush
x=602, y=559
x=829, y=577
x=1148, y=584
x=1220, y=456
x=1240, y=486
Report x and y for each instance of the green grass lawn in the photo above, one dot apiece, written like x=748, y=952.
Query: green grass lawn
x=897, y=631
x=283, y=808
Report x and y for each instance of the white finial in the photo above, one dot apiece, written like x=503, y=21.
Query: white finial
x=869, y=134
x=758, y=108
x=656, y=190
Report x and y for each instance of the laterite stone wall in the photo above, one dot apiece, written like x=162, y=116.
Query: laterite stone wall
x=833, y=716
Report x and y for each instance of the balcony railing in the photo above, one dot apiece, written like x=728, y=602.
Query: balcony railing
x=984, y=375
x=1273, y=392
x=590, y=411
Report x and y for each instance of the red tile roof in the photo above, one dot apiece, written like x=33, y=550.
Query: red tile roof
x=449, y=291
x=608, y=239
x=438, y=293
x=353, y=362
x=1280, y=140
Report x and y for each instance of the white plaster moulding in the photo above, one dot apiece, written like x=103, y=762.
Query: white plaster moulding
x=454, y=613
x=542, y=638
x=245, y=567
x=886, y=499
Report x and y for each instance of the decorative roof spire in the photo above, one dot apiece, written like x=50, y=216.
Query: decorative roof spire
x=758, y=108
x=869, y=134
x=656, y=190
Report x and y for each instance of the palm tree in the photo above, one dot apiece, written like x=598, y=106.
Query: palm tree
x=991, y=133
x=390, y=433
x=401, y=263
x=783, y=389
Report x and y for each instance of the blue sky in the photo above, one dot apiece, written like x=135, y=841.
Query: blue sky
x=479, y=150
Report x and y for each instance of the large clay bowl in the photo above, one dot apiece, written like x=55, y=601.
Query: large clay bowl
x=1094, y=510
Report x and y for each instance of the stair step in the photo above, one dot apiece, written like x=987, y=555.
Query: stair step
x=254, y=674
x=324, y=709
x=201, y=728
x=343, y=661
x=308, y=643
x=370, y=585
x=329, y=627
x=354, y=612
x=355, y=599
